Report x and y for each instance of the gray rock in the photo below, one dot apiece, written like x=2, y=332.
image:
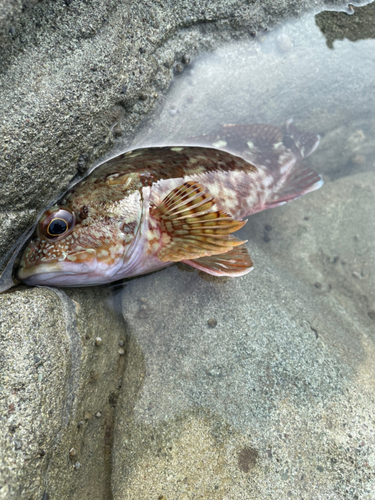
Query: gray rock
x=278, y=396
x=53, y=380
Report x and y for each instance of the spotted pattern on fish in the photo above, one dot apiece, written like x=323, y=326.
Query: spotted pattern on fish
x=122, y=224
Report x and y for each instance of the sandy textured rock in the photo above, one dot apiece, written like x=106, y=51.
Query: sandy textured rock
x=58, y=393
x=277, y=400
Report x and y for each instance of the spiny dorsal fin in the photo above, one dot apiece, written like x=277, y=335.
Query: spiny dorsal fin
x=190, y=228
x=236, y=262
x=301, y=180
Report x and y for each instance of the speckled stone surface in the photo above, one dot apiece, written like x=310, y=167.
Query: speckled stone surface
x=58, y=393
x=277, y=400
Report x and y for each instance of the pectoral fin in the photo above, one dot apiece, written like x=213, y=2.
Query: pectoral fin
x=236, y=262
x=191, y=228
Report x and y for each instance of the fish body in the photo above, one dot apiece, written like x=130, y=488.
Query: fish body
x=148, y=208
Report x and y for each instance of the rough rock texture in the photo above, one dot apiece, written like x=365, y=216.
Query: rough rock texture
x=338, y=26
x=277, y=399
x=58, y=392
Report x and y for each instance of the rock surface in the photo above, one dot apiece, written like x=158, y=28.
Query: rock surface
x=277, y=399
x=58, y=392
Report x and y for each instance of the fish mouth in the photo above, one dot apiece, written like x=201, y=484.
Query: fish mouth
x=47, y=272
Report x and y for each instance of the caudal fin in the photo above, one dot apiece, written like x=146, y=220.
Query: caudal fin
x=300, y=181
x=301, y=143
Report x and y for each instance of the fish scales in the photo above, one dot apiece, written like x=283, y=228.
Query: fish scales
x=148, y=208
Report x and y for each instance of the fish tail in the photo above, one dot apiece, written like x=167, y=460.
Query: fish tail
x=302, y=144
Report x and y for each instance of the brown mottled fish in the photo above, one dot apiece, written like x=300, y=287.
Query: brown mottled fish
x=151, y=207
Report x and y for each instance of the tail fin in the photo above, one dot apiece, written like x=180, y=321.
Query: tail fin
x=301, y=143
x=300, y=181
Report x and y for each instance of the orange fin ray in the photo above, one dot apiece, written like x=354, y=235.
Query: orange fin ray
x=236, y=262
x=193, y=229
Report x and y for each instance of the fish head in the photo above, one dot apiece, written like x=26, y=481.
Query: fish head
x=85, y=241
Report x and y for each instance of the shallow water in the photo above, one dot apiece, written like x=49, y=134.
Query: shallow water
x=262, y=386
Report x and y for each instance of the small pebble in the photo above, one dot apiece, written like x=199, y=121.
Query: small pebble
x=121, y=343
x=81, y=163
x=179, y=68
x=284, y=42
x=17, y=444
x=359, y=159
x=87, y=415
x=121, y=352
x=72, y=452
x=212, y=323
x=185, y=59
x=172, y=111
x=356, y=275
x=98, y=415
x=350, y=10
x=81, y=423
x=98, y=341
x=77, y=465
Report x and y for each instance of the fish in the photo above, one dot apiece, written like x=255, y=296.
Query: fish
x=151, y=207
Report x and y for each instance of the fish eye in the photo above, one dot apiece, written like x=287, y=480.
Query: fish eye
x=57, y=227
x=57, y=223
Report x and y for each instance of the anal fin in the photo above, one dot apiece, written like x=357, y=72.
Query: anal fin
x=191, y=227
x=236, y=262
x=300, y=181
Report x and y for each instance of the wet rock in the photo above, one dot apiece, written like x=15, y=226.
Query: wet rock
x=45, y=391
x=263, y=404
x=340, y=25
